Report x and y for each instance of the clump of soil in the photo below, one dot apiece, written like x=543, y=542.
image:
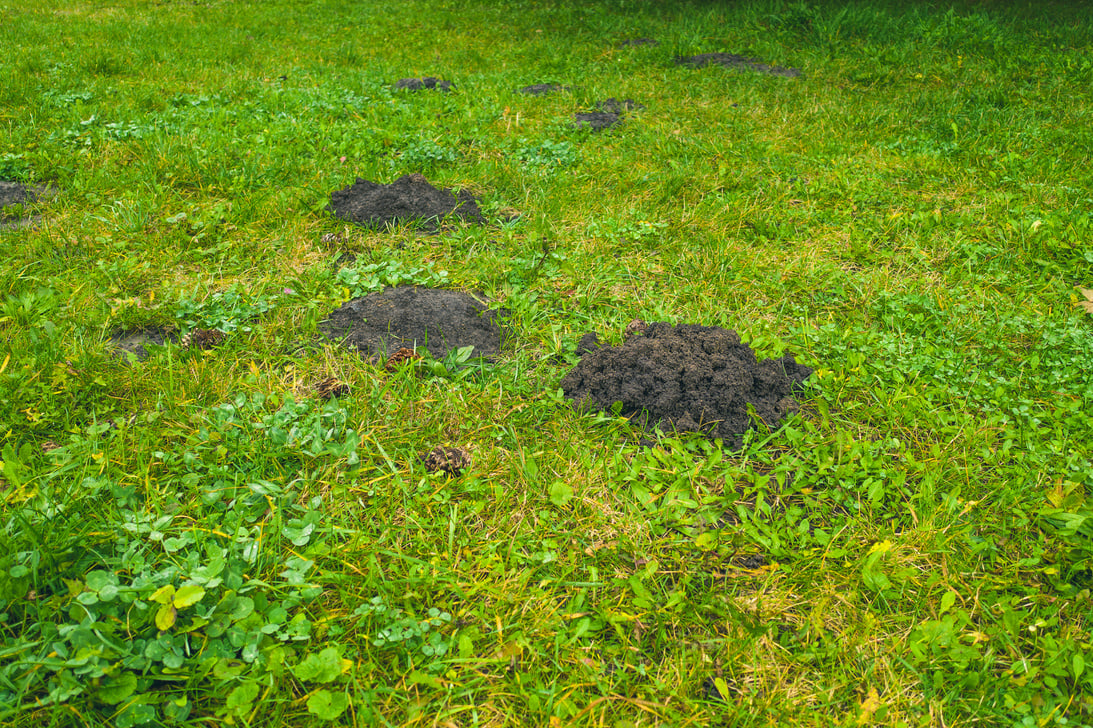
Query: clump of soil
x=418, y=84
x=14, y=193
x=639, y=42
x=608, y=113
x=739, y=63
x=450, y=460
x=688, y=378
x=410, y=317
x=542, y=89
x=410, y=198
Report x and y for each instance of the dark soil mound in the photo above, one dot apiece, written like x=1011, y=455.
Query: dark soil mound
x=407, y=316
x=542, y=89
x=408, y=199
x=690, y=378
x=608, y=113
x=13, y=193
x=740, y=63
x=417, y=84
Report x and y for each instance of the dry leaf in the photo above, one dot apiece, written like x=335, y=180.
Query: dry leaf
x=1088, y=303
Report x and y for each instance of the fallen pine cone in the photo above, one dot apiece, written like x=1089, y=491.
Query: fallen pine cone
x=331, y=387
x=202, y=339
x=403, y=355
x=451, y=460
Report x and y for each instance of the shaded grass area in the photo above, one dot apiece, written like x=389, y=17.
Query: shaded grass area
x=200, y=539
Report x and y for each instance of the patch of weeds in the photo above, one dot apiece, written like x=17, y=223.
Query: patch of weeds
x=634, y=232
x=226, y=311
x=14, y=167
x=410, y=636
x=545, y=155
x=424, y=154
x=359, y=280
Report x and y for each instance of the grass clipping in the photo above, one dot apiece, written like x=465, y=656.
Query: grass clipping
x=687, y=378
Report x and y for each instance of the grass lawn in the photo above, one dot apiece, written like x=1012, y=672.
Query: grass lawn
x=197, y=538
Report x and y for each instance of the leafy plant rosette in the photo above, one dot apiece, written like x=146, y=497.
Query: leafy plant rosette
x=129, y=613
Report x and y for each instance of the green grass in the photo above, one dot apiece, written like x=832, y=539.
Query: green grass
x=197, y=539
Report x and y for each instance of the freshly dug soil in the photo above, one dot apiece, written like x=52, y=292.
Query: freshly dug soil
x=542, y=89
x=380, y=324
x=608, y=113
x=408, y=199
x=688, y=378
x=740, y=63
x=429, y=82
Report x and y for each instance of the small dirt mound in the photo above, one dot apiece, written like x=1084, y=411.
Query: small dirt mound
x=608, y=113
x=410, y=317
x=739, y=63
x=14, y=193
x=410, y=198
x=686, y=377
x=419, y=84
x=542, y=89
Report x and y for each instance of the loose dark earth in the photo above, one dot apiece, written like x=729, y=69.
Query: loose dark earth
x=14, y=193
x=740, y=63
x=418, y=84
x=542, y=89
x=608, y=113
x=688, y=378
x=415, y=318
x=408, y=199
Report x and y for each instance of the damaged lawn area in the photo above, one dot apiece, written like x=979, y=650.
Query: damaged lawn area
x=676, y=365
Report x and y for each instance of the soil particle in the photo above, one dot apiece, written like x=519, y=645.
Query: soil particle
x=418, y=84
x=685, y=377
x=410, y=198
x=542, y=89
x=414, y=318
x=740, y=63
x=608, y=113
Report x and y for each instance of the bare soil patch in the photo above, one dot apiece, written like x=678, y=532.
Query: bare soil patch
x=412, y=317
x=739, y=63
x=542, y=89
x=608, y=113
x=13, y=194
x=421, y=84
x=410, y=198
x=133, y=341
x=687, y=378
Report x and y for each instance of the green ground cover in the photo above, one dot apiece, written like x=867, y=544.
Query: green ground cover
x=197, y=539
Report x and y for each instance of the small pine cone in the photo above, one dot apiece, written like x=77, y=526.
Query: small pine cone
x=637, y=326
x=331, y=387
x=403, y=355
x=450, y=460
x=202, y=339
